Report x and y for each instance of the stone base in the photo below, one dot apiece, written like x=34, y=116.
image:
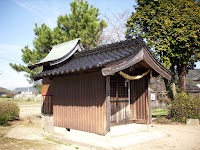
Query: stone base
x=192, y=122
x=47, y=123
x=119, y=137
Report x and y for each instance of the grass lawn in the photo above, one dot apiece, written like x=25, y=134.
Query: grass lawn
x=159, y=112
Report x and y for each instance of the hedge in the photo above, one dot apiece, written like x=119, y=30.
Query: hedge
x=185, y=107
x=8, y=111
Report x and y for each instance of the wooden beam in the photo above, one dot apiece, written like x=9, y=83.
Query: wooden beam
x=155, y=65
x=108, y=108
x=140, y=55
x=130, y=61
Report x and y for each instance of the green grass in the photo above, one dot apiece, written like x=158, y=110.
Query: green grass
x=21, y=101
x=159, y=112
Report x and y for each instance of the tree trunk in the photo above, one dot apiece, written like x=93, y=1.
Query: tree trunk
x=174, y=92
x=182, y=77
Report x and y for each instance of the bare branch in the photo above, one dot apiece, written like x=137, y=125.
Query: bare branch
x=116, y=28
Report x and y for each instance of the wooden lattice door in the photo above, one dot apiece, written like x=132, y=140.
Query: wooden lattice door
x=119, y=99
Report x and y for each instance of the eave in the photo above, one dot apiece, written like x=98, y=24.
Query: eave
x=142, y=55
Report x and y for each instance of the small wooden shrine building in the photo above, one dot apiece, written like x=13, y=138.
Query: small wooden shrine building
x=90, y=90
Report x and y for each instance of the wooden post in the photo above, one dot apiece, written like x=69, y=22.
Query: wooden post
x=149, y=121
x=117, y=104
x=108, y=109
x=129, y=97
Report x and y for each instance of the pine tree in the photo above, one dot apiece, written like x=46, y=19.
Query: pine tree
x=83, y=22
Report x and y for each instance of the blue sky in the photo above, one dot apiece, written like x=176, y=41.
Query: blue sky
x=18, y=18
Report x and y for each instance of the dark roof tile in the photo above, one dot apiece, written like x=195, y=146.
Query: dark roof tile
x=96, y=57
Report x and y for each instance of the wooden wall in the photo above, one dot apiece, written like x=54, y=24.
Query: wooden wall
x=47, y=96
x=79, y=102
x=139, y=100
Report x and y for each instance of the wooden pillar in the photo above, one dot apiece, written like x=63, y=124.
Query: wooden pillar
x=129, y=96
x=117, y=103
x=148, y=106
x=108, y=108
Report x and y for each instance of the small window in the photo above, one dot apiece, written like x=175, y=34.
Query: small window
x=113, y=86
x=122, y=88
x=118, y=87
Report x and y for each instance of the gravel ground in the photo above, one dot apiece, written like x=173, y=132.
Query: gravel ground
x=179, y=137
x=30, y=110
x=29, y=131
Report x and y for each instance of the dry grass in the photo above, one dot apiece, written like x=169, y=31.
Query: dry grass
x=22, y=144
x=21, y=101
x=56, y=141
x=30, y=117
x=13, y=144
x=162, y=120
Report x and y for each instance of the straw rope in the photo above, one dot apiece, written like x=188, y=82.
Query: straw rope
x=126, y=76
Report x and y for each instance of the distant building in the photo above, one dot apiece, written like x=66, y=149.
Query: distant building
x=25, y=92
x=193, y=90
x=3, y=94
x=197, y=82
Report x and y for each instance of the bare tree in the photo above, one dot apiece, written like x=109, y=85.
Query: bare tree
x=115, y=31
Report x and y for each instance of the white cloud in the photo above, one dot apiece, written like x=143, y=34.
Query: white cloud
x=48, y=11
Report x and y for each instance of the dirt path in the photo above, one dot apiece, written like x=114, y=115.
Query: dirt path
x=179, y=137
x=30, y=110
x=27, y=134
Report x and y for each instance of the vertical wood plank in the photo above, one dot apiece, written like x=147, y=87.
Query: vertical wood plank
x=134, y=100
x=81, y=102
x=108, y=108
x=149, y=119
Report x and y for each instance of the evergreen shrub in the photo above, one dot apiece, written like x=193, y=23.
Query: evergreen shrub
x=8, y=111
x=185, y=107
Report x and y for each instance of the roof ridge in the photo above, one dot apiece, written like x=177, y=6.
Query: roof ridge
x=62, y=44
x=107, y=47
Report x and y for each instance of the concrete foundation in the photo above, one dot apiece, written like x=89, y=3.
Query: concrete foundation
x=121, y=130
x=119, y=137
x=47, y=123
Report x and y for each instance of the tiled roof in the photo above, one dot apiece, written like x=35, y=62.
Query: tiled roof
x=95, y=58
x=59, y=52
